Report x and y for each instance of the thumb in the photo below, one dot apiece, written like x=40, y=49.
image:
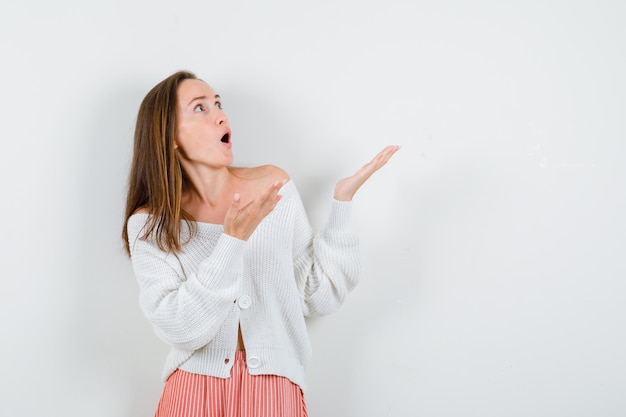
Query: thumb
x=234, y=206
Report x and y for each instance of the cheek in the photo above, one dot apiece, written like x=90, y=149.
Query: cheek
x=184, y=143
x=186, y=137
x=190, y=144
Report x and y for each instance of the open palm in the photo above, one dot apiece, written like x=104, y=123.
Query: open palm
x=347, y=187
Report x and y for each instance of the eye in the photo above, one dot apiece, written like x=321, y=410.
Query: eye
x=198, y=108
x=218, y=104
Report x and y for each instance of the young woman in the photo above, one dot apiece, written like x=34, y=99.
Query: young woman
x=226, y=261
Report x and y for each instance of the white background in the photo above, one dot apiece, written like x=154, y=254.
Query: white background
x=494, y=242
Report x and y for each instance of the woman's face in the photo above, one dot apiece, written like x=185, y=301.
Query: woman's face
x=203, y=135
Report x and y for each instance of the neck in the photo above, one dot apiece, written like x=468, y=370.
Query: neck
x=209, y=186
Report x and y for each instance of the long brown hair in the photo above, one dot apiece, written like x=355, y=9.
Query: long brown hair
x=156, y=179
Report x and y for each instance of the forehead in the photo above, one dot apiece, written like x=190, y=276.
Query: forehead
x=190, y=89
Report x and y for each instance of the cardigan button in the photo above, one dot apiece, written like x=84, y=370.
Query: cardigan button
x=245, y=302
x=253, y=362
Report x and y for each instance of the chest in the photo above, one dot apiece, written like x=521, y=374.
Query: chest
x=216, y=212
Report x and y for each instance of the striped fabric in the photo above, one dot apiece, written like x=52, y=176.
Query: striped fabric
x=242, y=395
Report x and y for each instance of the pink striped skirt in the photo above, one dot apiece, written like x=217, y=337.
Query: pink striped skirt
x=242, y=395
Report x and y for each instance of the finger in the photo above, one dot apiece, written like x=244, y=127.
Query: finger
x=387, y=153
x=382, y=157
x=265, y=202
x=236, y=203
x=273, y=197
x=234, y=208
x=271, y=191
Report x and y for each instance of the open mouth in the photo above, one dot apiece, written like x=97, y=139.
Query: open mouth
x=226, y=138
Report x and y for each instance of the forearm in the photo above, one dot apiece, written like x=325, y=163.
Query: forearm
x=187, y=309
x=331, y=266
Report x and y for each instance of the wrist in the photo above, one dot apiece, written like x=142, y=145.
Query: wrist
x=344, y=197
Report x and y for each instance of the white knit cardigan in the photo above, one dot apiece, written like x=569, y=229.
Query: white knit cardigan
x=197, y=299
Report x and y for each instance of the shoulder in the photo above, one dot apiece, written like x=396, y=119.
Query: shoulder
x=255, y=180
x=273, y=170
x=139, y=219
x=141, y=210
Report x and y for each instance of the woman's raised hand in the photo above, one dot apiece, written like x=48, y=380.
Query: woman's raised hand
x=347, y=187
x=240, y=222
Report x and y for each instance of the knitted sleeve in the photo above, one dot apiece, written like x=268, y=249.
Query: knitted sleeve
x=186, y=310
x=327, y=266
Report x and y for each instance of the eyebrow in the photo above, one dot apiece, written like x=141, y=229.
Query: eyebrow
x=217, y=96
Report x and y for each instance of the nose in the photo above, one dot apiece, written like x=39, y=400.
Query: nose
x=221, y=117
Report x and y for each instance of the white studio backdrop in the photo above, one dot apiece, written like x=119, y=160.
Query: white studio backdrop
x=494, y=242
